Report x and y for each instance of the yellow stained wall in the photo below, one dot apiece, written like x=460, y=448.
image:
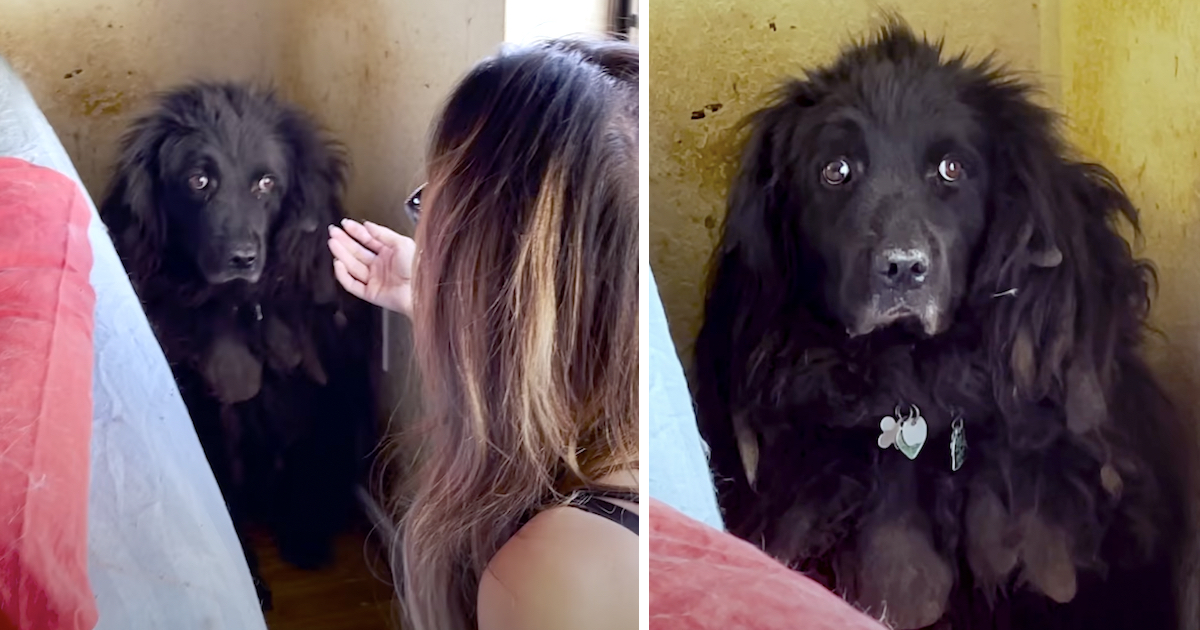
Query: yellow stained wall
x=90, y=64
x=1130, y=86
x=1130, y=76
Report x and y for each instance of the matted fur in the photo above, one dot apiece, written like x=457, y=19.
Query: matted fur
x=1048, y=379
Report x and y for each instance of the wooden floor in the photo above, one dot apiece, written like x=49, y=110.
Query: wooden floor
x=353, y=594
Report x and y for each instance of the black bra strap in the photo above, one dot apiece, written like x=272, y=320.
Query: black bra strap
x=595, y=503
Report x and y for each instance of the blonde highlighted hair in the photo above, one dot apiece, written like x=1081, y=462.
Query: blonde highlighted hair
x=525, y=309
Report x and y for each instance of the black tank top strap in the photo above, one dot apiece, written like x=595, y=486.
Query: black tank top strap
x=619, y=495
x=595, y=501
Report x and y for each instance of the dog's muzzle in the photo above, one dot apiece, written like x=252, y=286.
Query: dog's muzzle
x=238, y=261
x=904, y=286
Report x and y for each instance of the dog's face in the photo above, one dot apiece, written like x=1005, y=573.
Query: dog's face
x=223, y=188
x=894, y=200
x=222, y=183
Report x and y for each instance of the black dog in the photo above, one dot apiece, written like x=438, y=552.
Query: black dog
x=219, y=210
x=919, y=371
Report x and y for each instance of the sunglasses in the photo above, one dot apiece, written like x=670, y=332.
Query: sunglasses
x=412, y=205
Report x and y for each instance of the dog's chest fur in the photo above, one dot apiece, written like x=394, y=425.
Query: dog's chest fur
x=231, y=336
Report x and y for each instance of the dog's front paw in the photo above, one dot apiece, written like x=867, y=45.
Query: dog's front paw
x=285, y=353
x=1046, y=553
x=991, y=550
x=901, y=575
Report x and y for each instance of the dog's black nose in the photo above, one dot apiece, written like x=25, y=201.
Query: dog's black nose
x=243, y=257
x=902, y=269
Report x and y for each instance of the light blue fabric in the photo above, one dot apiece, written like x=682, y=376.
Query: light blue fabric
x=679, y=473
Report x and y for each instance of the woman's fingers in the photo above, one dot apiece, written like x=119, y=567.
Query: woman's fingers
x=373, y=236
x=352, y=245
x=362, y=235
x=352, y=286
x=403, y=247
x=353, y=266
x=385, y=235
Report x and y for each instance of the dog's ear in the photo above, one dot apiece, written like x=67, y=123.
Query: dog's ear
x=757, y=255
x=312, y=202
x=130, y=208
x=1061, y=284
x=749, y=267
x=764, y=183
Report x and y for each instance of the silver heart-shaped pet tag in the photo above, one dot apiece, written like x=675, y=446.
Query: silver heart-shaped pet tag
x=912, y=435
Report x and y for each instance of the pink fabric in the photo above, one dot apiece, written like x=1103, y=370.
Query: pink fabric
x=46, y=323
x=701, y=578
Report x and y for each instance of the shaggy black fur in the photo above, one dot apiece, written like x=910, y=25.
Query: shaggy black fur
x=219, y=209
x=1068, y=511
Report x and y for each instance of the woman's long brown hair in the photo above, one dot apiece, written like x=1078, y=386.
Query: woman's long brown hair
x=525, y=309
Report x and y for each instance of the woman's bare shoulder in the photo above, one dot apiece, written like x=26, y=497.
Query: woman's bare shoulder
x=566, y=568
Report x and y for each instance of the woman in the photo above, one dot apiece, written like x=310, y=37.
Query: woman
x=524, y=305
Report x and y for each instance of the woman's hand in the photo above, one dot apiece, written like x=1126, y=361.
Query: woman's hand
x=374, y=263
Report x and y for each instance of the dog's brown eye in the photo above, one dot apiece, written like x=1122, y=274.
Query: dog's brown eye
x=265, y=184
x=836, y=173
x=198, y=181
x=951, y=170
